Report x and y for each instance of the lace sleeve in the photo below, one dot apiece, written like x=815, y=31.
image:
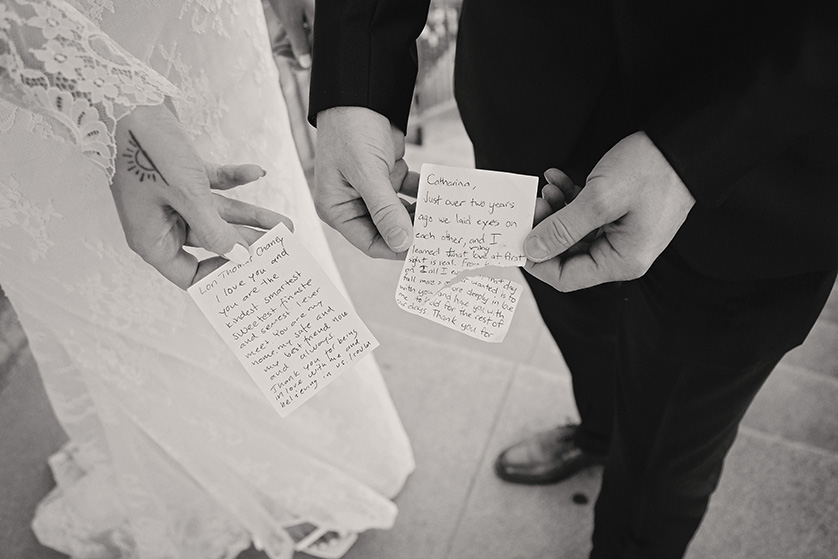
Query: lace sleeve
x=61, y=66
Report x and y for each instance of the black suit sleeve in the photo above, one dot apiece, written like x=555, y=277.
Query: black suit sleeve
x=778, y=88
x=365, y=55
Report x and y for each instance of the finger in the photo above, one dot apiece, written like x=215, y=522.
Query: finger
x=384, y=207
x=397, y=174
x=362, y=233
x=162, y=251
x=180, y=269
x=309, y=12
x=206, y=267
x=243, y=213
x=410, y=184
x=282, y=47
x=340, y=206
x=563, y=229
x=542, y=210
x=563, y=182
x=184, y=269
x=390, y=218
x=553, y=196
x=403, y=180
x=598, y=263
x=308, y=22
x=169, y=258
x=213, y=233
x=224, y=177
x=249, y=234
x=298, y=37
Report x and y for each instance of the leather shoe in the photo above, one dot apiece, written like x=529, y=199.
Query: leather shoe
x=547, y=457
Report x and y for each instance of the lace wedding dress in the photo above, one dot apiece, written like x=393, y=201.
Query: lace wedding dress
x=173, y=451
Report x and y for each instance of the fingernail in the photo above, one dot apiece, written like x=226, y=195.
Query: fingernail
x=238, y=254
x=535, y=248
x=305, y=61
x=264, y=172
x=398, y=241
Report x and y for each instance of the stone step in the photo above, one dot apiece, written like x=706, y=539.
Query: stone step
x=799, y=406
x=830, y=311
x=776, y=500
x=819, y=353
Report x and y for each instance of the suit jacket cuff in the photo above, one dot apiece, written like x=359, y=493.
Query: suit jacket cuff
x=365, y=56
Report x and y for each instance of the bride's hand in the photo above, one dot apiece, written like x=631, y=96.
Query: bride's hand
x=161, y=189
x=297, y=19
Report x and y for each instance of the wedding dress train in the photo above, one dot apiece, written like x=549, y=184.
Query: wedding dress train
x=173, y=452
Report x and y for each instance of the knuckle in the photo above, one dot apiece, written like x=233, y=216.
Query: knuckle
x=637, y=267
x=322, y=211
x=221, y=203
x=226, y=174
x=133, y=243
x=598, y=201
x=213, y=240
x=255, y=215
x=140, y=246
x=385, y=215
x=263, y=217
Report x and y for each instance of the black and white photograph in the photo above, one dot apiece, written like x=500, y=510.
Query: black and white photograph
x=418, y=279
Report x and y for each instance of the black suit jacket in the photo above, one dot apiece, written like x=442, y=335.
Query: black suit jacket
x=741, y=97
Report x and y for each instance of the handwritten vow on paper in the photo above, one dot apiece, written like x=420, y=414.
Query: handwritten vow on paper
x=467, y=219
x=284, y=319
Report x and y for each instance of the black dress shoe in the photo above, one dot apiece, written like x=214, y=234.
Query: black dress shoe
x=547, y=457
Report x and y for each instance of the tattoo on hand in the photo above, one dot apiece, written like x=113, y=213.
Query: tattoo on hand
x=139, y=162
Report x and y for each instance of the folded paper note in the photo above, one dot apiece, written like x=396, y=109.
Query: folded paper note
x=467, y=219
x=284, y=319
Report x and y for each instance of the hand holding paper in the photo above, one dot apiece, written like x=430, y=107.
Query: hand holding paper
x=162, y=192
x=467, y=219
x=638, y=213
x=360, y=170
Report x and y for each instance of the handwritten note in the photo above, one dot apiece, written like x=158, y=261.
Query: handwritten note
x=467, y=219
x=286, y=322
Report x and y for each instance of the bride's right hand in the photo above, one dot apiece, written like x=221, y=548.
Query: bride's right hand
x=162, y=191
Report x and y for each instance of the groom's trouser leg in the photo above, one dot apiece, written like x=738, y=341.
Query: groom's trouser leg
x=584, y=326
x=694, y=353
x=518, y=122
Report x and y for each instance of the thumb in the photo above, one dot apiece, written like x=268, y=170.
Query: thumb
x=387, y=211
x=560, y=231
x=216, y=235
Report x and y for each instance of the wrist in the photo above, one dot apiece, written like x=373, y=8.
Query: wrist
x=143, y=116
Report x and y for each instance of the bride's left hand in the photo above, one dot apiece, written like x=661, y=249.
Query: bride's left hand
x=162, y=191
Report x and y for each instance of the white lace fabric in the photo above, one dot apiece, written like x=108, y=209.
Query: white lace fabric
x=57, y=62
x=174, y=453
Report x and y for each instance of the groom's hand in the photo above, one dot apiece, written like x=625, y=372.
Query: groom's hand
x=359, y=173
x=633, y=202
